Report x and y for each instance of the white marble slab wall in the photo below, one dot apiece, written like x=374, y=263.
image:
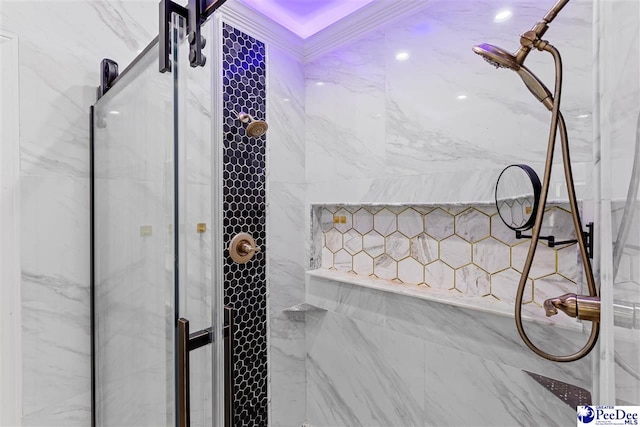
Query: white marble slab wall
x=286, y=216
x=619, y=70
x=464, y=249
x=383, y=130
x=377, y=360
x=437, y=127
x=61, y=44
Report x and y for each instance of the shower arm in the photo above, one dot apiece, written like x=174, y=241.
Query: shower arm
x=557, y=122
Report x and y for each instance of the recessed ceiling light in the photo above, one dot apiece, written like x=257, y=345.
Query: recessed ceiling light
x=319, y=83
x=461, y=97
x=402, y=56
x=114, y=112
x=503, y=15
x=285, y=99
x=583, y=116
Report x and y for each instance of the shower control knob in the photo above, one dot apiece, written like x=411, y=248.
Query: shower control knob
x=203, y=42
x=242, y=248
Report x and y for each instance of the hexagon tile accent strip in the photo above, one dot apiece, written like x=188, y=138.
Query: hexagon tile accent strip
x=244, y=77
x=463, y=249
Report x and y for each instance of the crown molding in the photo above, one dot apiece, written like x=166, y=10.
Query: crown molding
x=371, y=17
x=264, y=29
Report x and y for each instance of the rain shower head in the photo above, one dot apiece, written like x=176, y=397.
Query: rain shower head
x=256, y=128
x=496, y=56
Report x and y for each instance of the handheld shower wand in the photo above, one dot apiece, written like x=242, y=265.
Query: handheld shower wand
x=584, y=307
x=500, y=58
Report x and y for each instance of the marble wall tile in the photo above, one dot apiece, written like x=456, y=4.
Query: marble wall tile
x=428, y=95
x=55, y=299
x=349, y=351
x=426, y=133
x=59, y=71
x=373, y=243
x=627, y=365
x=410, y=223
x=619, y=68
x=357, y=303
x=430, y=187
x=505, y=283
x=345, y=102
x=439, y=275
x=286, y=215
x=463, y=389
x=455, y=252
x=75, y=412
x=411, y=271
x=286, y=117
x=424, y=248
x=492, y=255
x=487, y=335
x=289, y=249
x=360, y=374
x=287, y=375
x=454, y=247
x=472, y=280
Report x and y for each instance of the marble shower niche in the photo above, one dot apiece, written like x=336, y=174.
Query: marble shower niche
x=413, y=314
x=451, y=252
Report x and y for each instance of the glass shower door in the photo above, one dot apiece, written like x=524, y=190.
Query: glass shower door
x=199, y=289
x=153, y=246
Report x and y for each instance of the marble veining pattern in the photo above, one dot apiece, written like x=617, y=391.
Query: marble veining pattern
x=61, y=45
x=465, y=352
x=441, y=124
x=463, y=248
x=619, y=68
x=345, y=381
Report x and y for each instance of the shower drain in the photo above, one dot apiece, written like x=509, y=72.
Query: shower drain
x=570, y=394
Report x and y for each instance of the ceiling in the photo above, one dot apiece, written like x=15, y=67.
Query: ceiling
x=306, y=17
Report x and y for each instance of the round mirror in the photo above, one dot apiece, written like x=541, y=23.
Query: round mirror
x=517, y=196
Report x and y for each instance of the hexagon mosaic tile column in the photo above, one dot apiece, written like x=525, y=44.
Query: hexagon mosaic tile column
x=463, y=249
x=244, y=77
